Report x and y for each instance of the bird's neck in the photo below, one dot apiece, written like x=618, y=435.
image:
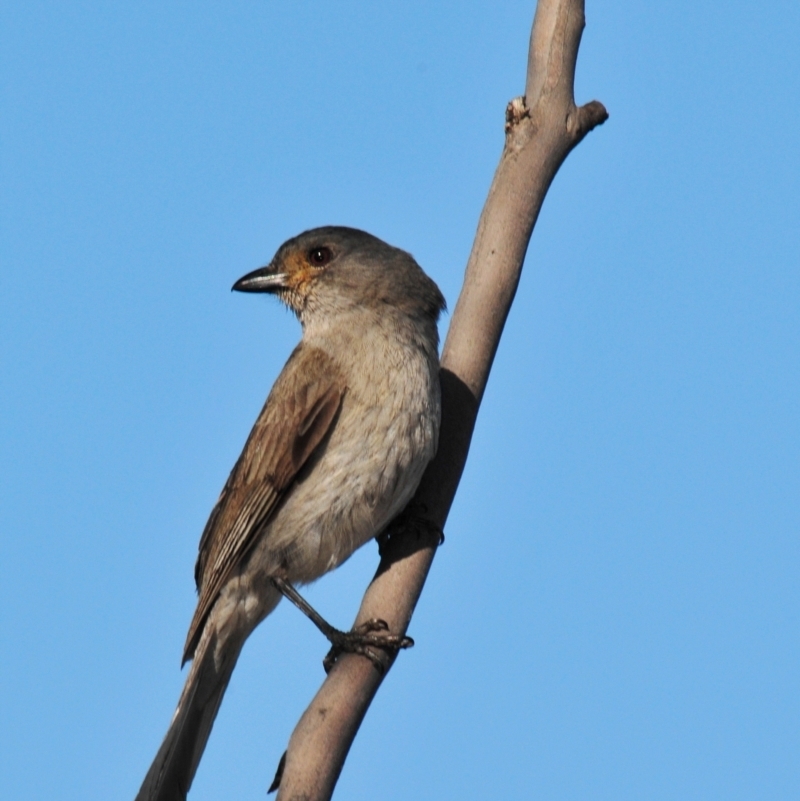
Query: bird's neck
x=396, y=330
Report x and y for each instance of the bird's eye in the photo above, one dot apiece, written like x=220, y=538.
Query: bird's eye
x=320, y=256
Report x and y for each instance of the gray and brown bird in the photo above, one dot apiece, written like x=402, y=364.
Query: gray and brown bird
x=336, y=453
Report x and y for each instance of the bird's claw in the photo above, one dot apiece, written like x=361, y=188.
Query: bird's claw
x=362, y=640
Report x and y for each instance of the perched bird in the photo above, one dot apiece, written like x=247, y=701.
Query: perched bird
x=337, y=452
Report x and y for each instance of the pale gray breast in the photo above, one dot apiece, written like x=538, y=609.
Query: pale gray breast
x=385, y=436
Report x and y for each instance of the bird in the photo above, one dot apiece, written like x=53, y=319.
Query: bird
x=335, y=455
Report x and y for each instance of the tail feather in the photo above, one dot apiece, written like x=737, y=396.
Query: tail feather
x=171, y=774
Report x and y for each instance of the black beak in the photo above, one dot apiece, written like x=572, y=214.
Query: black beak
x=264, y=279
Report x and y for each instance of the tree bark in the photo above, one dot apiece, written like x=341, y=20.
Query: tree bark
x=542, y=127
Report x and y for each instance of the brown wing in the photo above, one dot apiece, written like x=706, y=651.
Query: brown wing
x=296, y=417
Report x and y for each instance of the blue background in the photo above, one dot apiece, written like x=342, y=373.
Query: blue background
x=615, y=612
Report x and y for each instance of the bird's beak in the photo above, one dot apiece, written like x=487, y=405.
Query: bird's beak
x=265, y=279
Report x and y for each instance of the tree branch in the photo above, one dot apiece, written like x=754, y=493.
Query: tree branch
x=541, y=129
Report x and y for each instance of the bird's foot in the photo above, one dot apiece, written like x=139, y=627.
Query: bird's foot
x=417, y=526
x=364, y=639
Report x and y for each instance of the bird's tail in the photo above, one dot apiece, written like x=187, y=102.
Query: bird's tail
x=170, y=776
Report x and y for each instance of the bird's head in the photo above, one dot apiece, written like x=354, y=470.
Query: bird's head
x=336, y=270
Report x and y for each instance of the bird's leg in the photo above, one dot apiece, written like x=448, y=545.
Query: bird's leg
x=290, y=593
x=371, y=634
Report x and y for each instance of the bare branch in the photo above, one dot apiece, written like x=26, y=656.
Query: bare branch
x=541, y=129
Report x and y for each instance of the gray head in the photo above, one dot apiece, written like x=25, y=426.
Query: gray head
x=334, y=270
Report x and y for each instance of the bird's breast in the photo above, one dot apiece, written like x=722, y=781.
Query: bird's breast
x=368, y=469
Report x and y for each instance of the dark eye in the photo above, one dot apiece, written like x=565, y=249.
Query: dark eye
x=320, y=256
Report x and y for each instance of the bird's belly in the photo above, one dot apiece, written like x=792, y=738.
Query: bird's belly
x=366, y=474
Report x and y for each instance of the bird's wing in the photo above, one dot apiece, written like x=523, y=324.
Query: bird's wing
x=299, y=412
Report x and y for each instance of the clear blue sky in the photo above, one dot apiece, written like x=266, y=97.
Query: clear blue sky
x=615, y=612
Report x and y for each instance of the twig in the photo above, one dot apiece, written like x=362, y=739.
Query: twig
x=541, y=129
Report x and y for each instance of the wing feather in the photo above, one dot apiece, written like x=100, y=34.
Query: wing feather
x=299, y=412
